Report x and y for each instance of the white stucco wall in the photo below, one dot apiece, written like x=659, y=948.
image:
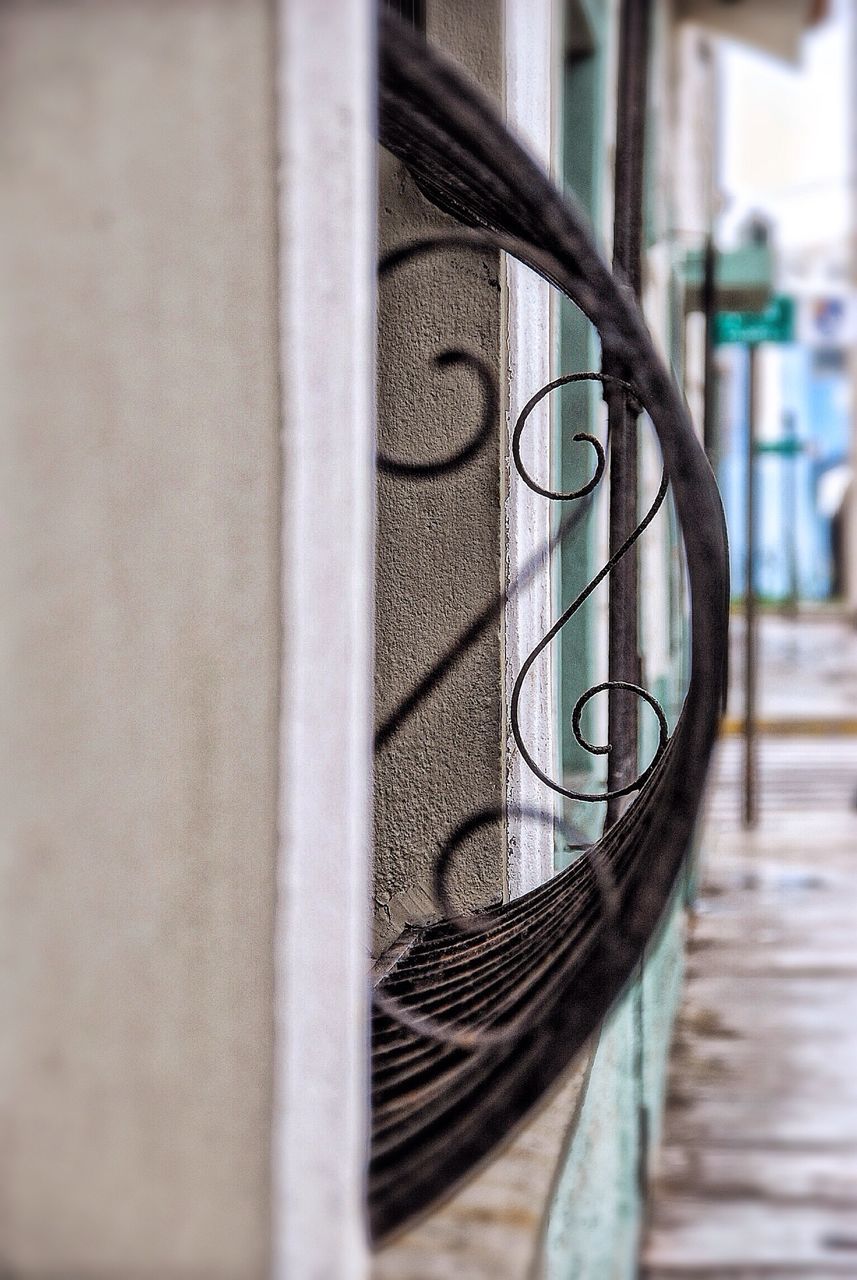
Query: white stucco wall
x=184, y=774
x=138, y=711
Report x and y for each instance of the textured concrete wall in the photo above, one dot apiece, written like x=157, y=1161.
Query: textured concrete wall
x=439, y=541
x=139, y=597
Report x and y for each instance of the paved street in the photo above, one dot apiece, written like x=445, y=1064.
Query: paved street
x=807, y=669
x=759, y=1165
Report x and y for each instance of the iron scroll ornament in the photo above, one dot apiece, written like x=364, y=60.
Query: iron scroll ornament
x=521, y=988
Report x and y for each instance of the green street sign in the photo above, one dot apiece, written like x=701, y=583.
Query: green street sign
x=775, y=324
x=787, y=448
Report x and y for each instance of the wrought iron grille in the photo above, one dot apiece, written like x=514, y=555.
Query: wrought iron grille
x=475, y=1018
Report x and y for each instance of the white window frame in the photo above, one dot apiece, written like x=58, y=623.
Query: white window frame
x=530, y=73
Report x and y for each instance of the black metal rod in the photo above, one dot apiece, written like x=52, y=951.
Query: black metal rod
x=623, y=660
x=709, y=306
x=624, y=664
x=750, y=622
x=635, y=22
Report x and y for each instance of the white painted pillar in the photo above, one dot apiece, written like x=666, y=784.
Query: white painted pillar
x=529, y=54
x=327, y=218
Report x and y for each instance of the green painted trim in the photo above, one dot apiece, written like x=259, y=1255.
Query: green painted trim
x=593, y=1228
x=597, y=1215
x=536, y=1270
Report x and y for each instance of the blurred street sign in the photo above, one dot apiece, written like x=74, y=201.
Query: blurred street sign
x=775, y=324
x=788, y=447
x=827, y=322
x=743, y=278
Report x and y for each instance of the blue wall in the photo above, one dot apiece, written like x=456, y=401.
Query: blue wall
x=814, y=391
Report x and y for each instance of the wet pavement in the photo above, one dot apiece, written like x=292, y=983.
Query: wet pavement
x=807, y=671
x=758, y=1171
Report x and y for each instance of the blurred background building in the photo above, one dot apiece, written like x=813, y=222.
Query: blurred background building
x=785, y=175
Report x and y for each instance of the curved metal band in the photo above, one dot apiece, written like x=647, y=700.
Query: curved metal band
x=547, y=966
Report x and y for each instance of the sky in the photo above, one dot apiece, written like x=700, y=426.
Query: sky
x=784, y=137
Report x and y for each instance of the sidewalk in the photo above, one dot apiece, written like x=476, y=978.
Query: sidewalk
x=759, y=1161
x=807, y=671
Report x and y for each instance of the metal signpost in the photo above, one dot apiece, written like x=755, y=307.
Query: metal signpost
x=750, y=329
x=788, y=448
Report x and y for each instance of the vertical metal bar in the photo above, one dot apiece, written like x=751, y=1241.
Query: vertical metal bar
x=789, y=464
x=622, y=413
x=622, y=416
x=750, y=638
x=709, y=305
x=630, y=141
x=623, y=661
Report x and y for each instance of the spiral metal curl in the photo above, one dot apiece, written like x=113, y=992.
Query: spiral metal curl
x=601, y=460
x=608, y=382
x=446, y=663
